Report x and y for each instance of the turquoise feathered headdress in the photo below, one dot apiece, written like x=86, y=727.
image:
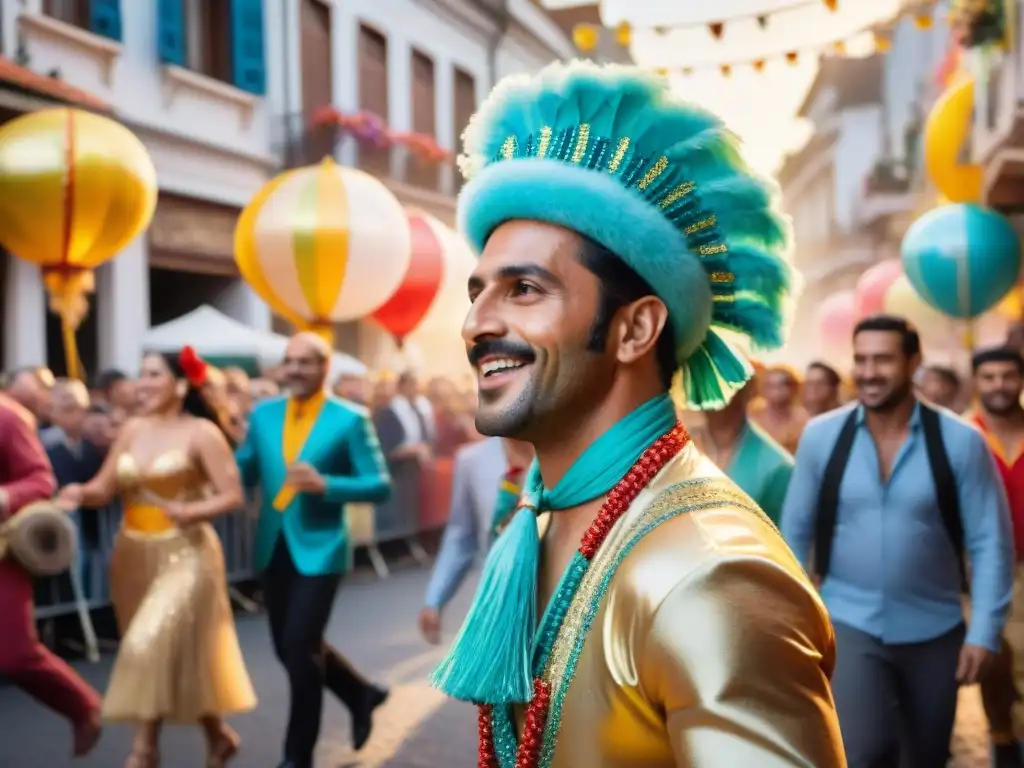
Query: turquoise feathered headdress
x=609, y=152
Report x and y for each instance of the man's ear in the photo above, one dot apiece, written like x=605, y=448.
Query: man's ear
x=638, y=327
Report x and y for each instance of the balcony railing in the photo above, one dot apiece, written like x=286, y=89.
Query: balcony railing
x=997, y=101
x=298, y=144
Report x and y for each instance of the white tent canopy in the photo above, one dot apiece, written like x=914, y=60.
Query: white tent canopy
x=214, y=334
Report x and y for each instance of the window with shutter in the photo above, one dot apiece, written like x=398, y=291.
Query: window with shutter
x=208, y=40
x=373, y=93
x=102, y=17
x=423, y=173
x=465, y=106
x=317, y=83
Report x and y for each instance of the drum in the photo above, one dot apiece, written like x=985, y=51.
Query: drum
x=41, y=537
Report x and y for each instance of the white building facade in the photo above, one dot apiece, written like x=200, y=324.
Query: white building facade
x=211, y=116
x=855, y=186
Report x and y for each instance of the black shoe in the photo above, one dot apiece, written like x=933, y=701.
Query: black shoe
x=293, y=764
x=362, y=721
x=1007, y=756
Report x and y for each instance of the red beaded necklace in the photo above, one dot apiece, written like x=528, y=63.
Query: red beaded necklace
x=615, y=505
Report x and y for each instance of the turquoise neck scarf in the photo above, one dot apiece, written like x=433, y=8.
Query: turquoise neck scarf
x=489, y=662
x=505, y=505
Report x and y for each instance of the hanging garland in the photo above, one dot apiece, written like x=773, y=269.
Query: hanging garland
x=369, y=128
x=586, y=37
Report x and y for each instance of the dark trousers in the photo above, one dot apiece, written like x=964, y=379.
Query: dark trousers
x=896, y=703
x=27, y=663
x=298, y=608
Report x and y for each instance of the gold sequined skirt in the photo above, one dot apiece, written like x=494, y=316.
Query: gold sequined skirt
x=179, y=657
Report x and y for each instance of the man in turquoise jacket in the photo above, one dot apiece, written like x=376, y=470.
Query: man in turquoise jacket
x=310, y=454
x=746, y=453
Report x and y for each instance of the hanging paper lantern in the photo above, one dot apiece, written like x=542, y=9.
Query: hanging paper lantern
x=962, y=259
x=872, y=285
x=323, y=244
x=75, y=189
x=407, y=307
x=837, y=315
x=624, y=34
x=585, y=37
x=903, y=301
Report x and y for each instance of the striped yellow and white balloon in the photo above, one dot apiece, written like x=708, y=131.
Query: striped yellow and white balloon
x=323, y=244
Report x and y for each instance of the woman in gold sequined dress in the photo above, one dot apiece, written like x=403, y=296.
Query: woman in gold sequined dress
x=179, y=660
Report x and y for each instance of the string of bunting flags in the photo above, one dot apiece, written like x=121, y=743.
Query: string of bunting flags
x=587, y=37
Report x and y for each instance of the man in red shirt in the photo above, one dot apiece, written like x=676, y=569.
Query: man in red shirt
x=26, y=476
x=998, y=383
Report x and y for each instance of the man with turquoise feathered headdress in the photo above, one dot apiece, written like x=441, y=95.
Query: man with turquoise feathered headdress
x=622, y=241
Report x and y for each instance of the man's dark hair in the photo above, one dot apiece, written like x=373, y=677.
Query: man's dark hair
x=997, y=355
x=620, y=285
x=830, y=373
x=910, y=340
x=99, y=408
x=948, y=375
x=105, y=380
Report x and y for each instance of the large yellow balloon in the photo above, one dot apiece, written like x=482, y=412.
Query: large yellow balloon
x=75, y=189
x=945, y=134
x=1012, y=307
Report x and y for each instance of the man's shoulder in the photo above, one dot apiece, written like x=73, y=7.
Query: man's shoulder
x=263, y=407
x=11, y=409
x=773, y=450
x=477, y=450
x=827, y=425
x=339, y=406
x=956, y=426
x=718, y=552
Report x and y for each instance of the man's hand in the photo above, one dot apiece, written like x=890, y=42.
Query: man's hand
x=5, y=503
x=973, y=665
x=430, y=625
x=304, y=479
x=70, y=497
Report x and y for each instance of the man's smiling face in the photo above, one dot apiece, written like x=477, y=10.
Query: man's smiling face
x=528, y=331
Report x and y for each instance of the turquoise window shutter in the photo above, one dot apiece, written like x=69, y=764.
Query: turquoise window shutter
x=105, y=18
x=248, y=63
x=170, y=33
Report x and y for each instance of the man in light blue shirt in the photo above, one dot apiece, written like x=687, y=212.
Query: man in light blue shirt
x=486, y=482
x=892, y=576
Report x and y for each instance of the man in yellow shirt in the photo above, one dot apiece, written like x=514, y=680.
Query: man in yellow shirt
x=311, y=454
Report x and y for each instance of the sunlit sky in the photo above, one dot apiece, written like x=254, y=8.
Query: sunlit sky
x=759, y=106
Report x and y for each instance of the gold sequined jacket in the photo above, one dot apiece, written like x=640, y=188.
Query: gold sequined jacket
x=707, y=645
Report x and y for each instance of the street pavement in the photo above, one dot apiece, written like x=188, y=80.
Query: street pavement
x=374, y=623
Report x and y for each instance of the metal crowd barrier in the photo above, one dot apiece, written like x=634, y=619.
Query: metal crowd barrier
x=419, y=504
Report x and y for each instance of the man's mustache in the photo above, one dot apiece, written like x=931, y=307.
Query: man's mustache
x=500, y=348
x=870, y=382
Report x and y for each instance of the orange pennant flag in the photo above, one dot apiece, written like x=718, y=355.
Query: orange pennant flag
x=832, y=5
x=882, y=42
x=839, y=48
x=758, y=65
x=726, y=70
x=687, y=70
x=923, y=20
x=717, y=28
x=792, y=57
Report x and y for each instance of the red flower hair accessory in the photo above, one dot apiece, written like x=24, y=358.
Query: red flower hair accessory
x=193, y=366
